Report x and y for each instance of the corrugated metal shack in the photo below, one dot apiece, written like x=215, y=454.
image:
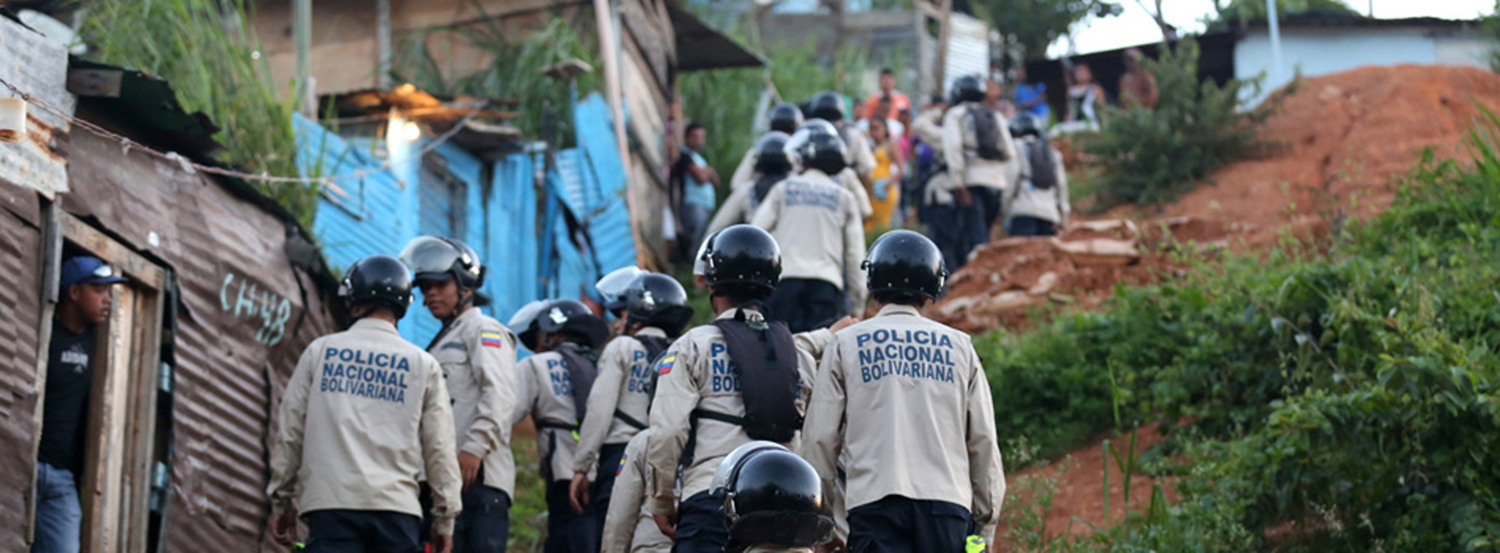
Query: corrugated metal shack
x=225, y=292
x=543, y=233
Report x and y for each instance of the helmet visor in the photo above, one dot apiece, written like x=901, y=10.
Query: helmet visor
x=613, y=286
x=523, y=318
x=430, y=256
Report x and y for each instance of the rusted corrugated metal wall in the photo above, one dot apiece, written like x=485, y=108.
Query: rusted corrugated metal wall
x=20, y=311
x=246, y=314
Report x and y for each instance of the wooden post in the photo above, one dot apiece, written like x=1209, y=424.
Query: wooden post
x=51, y=256
x=609, y=53
x=945, y=10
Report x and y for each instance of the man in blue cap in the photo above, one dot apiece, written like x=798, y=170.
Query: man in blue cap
x=84, y=296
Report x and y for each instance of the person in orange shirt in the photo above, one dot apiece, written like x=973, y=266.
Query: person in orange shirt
x=897, y=100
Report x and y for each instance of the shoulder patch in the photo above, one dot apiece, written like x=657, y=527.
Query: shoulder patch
x=491, y=339
x=621, y=467
x=667, y=362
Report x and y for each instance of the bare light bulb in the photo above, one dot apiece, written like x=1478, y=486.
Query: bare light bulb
x=411, y=132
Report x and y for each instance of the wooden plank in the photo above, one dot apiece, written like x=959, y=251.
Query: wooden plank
x=101, y=492
x=142, y=422
x=133, y=265
x=51, y=259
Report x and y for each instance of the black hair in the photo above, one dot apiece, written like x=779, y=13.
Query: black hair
x=693, y=126
x=887, y=71
x=912, y=299
x=741, y=294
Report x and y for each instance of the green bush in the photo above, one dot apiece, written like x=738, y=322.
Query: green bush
x=1337, y=403
x=1151, y=155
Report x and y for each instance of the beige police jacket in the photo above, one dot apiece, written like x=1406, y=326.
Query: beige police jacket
x=850, y=181
x=1026, y=200
x=908, y=399
x=744, y=173
x=546, y=393
x=861, y=155
x=363, y=413
x=960, y=147
x=628, y=526
x=624, y=375
x=696, y=373
x=478, y=355
x=821, y=233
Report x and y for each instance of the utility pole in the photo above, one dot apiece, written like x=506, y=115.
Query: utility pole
x=383, y=43
x=302, y=25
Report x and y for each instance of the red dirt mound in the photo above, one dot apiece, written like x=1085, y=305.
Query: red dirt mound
x=1346, y=138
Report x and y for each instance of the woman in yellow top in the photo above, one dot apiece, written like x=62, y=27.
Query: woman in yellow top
x=885, y=186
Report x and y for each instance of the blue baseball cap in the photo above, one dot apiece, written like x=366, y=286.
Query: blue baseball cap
x=86, y=269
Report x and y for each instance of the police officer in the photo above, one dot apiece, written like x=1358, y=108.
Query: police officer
x=554, y=388
x=829, y=106
x=628, y=525
x=907, y=398
x=772, y=501
x=478, y=355
x=824, y=240
x=362, y=415
x=619, y=404
x=782, y=118
x=1037, y=204
x=977, y=146
x=773, y=164
x=846, y=178
x=720, y=386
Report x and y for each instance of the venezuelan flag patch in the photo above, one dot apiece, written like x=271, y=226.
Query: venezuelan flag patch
x=665, y=366
x=620, y=468
x=491, y=339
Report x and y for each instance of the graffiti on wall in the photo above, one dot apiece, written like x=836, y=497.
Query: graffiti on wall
x=249, y=302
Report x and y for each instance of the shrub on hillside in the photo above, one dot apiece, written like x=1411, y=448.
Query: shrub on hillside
x=1151, y=155
x=1345, y=403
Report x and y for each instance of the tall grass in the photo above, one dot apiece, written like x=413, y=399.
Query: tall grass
x=209, y=54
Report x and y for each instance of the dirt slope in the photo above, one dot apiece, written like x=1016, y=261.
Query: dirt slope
x=1347, y=138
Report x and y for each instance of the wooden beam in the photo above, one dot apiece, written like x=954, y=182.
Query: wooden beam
x=50, y=255
x=945, y=20
x=134, y=266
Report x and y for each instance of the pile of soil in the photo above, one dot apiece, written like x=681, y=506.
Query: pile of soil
x=1345, y=139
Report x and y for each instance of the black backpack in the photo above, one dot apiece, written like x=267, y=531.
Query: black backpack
x=986, y=125
x=1039, y=157
x=765, y=361
x=582, y=370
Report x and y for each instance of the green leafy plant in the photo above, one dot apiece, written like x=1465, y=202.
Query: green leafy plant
x=209, y=54
x=1151, y=155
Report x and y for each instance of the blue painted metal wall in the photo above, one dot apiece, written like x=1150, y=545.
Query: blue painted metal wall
x=528, y=251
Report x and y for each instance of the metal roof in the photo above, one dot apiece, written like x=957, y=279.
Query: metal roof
x=700, y=46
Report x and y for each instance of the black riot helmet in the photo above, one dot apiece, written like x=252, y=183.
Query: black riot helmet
x=824, y=152
x=771, y=157
x=904, y=265
x=828, y=106
x=785, y=118
x=968, y=88
x=1027, y=124
x=438, y=258
x=576, y=320
x=773, y=497
x=658, y=300
x=379, y=279
x=742, y=260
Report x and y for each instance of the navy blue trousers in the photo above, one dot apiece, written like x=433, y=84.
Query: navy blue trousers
x=945, y=226
x=701, y=527
x=349, y=531
x=1022, y=225
x=807, y=304
x=484, y=524
x=900, y=525
x=604, y=482
x=568, y=531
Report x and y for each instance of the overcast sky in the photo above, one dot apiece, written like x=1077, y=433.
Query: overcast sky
x=1135, y=25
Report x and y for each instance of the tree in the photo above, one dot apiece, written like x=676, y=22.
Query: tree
x=1232, y=11
x=1036, y=23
